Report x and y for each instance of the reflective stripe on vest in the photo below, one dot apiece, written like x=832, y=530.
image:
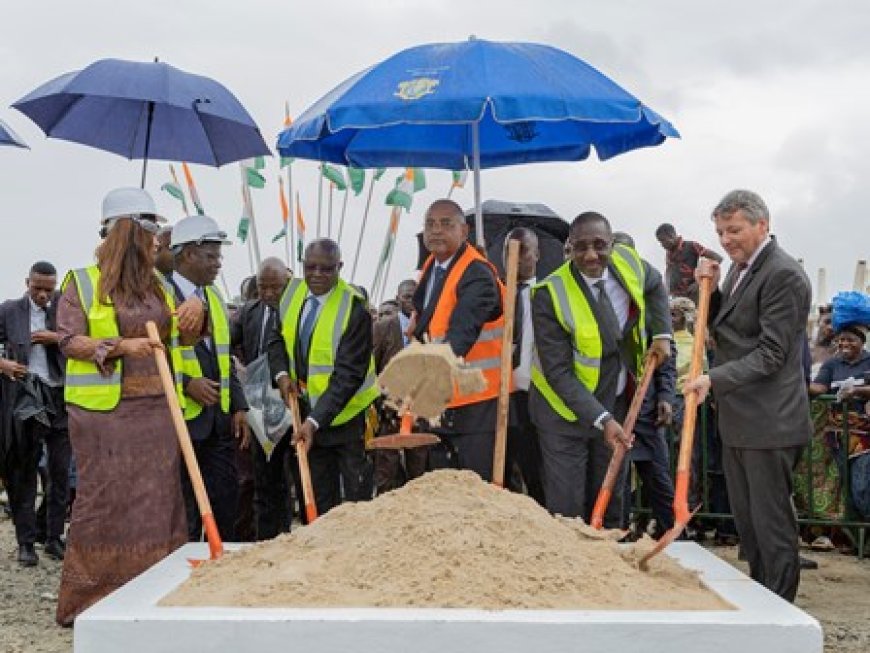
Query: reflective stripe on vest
x=485, y=353
x=85, y=386
x=325, y=340
x=576, y=317
x=219, y=321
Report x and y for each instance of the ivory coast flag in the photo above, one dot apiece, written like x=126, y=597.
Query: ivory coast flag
x=191, y=187
x=285, y=210
x=300, y=229
x=403, y=193
x=459, y=178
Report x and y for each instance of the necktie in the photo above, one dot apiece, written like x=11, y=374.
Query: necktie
x=267, y=327
x=519, y=317
x=438, y=274
x=307, y=329
x=606, y=312
x=741, y=267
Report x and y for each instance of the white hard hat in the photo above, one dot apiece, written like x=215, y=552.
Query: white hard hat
x=129, y=201
x=197, y=229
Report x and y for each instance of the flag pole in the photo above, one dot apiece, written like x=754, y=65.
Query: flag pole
x=249, y=205
x=290, y=232
x=387, y=273
x=329, y=211
x=376, y=282
x=362, y=229
x=343, y=213
x=285, y=218
x=319, y=199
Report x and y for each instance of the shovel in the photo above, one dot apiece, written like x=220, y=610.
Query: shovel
x=682, y=515
x=501, y=425
x=212, y=535
x=404, y=439
x=302, y=456
x=615, y=466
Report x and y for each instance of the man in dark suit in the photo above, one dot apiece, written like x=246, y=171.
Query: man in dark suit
x=593, y=318
x=33, y=359
x=523, y=452
x=390, y=337
x=459, y=302
x=215, y=403
x=759, y=322
x=250, y=332
x=322, y=344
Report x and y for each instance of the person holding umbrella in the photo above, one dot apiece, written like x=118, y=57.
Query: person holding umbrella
x=129, y=509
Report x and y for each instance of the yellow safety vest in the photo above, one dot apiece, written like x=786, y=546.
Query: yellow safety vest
x=330, y=326
x=84, y=385
x=219, y=318
x=576, y=317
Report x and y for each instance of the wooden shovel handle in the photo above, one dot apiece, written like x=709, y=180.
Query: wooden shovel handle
x=211, y=531
x=615, y=465
x=507, y=340
x=302, y=456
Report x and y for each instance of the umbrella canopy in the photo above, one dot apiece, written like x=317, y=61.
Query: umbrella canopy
x=472, y=105
x=9, y=137
x=145, y=111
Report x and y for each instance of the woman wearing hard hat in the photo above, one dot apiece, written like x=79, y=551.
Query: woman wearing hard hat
x=129, y=511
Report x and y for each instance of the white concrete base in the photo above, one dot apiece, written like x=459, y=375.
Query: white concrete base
x=130, y=622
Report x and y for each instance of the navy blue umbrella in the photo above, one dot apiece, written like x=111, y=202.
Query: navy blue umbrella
x=9, y=137
x=472, y=105
x=146, y=111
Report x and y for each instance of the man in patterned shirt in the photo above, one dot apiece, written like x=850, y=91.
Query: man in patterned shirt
x=682, y=259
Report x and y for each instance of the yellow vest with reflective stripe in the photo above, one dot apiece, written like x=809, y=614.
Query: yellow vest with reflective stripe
x=328, y=330
x=219, y=320
x=84, y=385
x=575, y=315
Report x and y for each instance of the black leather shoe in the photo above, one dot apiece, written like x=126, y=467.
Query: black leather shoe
x=806, y=563
x=55, y=548
x=27, y=555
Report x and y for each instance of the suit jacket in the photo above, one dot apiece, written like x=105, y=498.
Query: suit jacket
x=478, y=302
x=387, y=341
x=756, y=374
x=212, y=420
x=555, y=349
x=246, y=330
x=351, y=366
x=15, y=333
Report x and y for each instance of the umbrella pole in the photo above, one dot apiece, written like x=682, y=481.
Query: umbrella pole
x=362, y=229
x=147, y=142
x=478, y=208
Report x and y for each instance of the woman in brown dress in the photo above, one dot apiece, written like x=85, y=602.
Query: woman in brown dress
x=129, y=511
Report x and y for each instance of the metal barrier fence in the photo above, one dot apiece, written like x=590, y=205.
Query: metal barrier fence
x=709, y=484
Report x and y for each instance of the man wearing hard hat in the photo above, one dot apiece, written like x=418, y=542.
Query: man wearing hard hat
x=215, y=405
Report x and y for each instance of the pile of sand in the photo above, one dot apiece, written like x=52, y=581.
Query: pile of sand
x=447, y=540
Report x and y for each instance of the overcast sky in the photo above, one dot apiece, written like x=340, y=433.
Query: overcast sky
x=768, y=95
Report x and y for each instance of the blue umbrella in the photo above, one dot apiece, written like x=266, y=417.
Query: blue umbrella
x=145, y=111
x=9, y=137
x=472, y=105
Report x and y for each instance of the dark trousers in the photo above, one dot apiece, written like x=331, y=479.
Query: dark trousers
x=22, y=482
x=337, y=467
x=657, y=486
x=273, y=508
x=523, y=450
x=394, y=468
x=760, y=488
x=244, y=526
x=216, y=456
x=472, y=451
x=575, y=461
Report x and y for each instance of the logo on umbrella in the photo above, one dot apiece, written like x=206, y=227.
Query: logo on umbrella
x=414, y=89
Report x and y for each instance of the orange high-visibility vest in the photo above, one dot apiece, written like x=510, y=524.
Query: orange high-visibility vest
x=485, y=354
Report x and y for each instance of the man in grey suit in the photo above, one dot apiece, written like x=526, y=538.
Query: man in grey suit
x=592, y=318
x=758, y=321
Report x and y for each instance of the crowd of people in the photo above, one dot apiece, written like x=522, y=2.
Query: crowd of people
x=81, y=386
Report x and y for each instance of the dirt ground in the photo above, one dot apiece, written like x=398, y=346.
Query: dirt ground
x=837, y=594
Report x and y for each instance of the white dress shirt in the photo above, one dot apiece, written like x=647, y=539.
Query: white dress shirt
x=749, y=263
x=523, y=372
x=37, y=362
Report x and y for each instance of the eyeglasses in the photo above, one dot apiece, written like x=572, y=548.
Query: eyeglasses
x=322, y=269
x=600, y=246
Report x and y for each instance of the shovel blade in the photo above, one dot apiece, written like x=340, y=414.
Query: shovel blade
x=403, y=441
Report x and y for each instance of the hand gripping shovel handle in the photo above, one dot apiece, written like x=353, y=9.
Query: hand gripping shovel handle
x=682, y=514
x=215, y=546
x=615, y=466
x=302, y=456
